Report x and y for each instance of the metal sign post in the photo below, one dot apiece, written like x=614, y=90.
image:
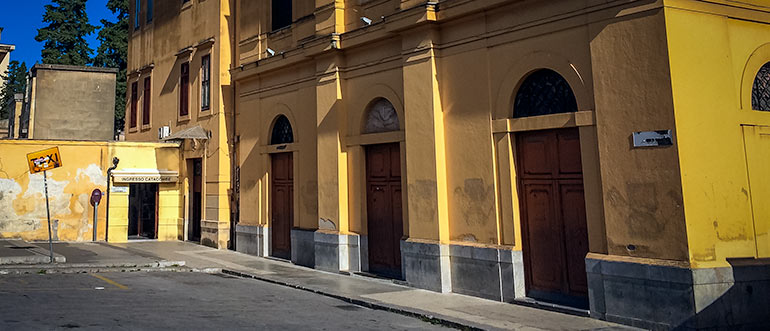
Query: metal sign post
x=96, y=196
x=48, y=215
x=42, y=161
x=96, y=218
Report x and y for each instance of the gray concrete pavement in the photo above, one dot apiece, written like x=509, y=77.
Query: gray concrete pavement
x=177, y=301
x=14, y=251
x=382, y=295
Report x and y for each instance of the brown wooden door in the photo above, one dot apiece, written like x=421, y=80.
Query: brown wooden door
x=383, y=209
x=282, y=205
x=553, y=215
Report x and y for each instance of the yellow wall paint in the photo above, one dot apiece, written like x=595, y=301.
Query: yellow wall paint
x=22, y=202
x=757, y=140
x=707, y=69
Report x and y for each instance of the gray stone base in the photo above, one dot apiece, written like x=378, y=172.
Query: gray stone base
x=425, y=265
x=210, y=233
x=487, y=272
x=251, y=239
x=661, y=296
x=303, y=247
x=337, y=252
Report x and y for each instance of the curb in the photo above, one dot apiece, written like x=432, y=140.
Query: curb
x=39, y=255
x=77, y=268
x=427, y=317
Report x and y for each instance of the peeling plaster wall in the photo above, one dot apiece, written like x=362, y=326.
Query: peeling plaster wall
x=22, y=195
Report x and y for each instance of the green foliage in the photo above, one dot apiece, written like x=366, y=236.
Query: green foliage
x=113, y=53
x=15, y=82
x=64, y=36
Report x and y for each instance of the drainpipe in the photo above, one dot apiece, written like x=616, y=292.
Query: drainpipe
x=234, y=214
x=115, y=161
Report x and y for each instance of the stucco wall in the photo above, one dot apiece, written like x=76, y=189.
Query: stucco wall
x=450, y=82
x=85, y=164
x=641, y=186
x=181, y=33
x=73, y=104
x=712, y=102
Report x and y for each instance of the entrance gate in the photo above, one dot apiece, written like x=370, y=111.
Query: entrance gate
x=143, y=211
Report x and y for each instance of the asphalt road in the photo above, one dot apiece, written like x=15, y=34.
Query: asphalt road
x=178, y=300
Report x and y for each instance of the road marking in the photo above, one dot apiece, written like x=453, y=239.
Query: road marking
x=111, y=282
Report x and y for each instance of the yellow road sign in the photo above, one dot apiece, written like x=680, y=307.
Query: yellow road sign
x=44, y=160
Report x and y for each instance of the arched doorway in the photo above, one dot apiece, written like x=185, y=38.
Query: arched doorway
x=383, y=192
x=550, y=179
x=281, y=190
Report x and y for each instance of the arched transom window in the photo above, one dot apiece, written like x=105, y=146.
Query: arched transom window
x=760, y=92
x=282, y=133
x=382, y=117
x=544, y=92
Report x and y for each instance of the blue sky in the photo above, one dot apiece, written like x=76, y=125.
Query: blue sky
x=22, y=18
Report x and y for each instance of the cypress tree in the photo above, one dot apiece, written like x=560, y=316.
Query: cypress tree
x=15, y=82
x=64, y=37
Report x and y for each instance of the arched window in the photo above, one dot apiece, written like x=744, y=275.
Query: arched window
x=382, y=117
x=282, y=133
x=544, y=92
x=760, y=92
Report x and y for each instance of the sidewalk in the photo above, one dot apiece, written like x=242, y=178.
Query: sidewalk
x=14, y=251
x=449, y=309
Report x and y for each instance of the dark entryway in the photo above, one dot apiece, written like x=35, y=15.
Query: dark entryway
x=196, y=199
x=383, y=209
x=282, y=204
x=553, y=216
x=143, y=211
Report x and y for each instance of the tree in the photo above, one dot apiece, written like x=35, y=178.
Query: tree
x=65, y=34
x=15, y=82
x=113, y=52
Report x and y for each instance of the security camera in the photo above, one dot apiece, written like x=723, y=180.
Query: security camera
x=367, y=21
x=270, y=51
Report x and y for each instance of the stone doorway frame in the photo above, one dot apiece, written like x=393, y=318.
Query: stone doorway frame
x=356, y=142
x=504, y=127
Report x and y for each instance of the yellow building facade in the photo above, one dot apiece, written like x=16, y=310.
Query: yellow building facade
x=606, y=156
x=84, y=169
x=179, y=87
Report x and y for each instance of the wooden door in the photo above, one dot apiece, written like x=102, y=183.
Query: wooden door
x=553, y=215
x=383, y=209
x=197, y=200
x=282, y=204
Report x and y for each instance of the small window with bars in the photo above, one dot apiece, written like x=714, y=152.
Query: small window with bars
x=281, y=14
x=149, y=10
x=134, y=100
x=137, y=10
x=760, y=92
x=146, y=95
x=184, y=90
x=205, y=83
